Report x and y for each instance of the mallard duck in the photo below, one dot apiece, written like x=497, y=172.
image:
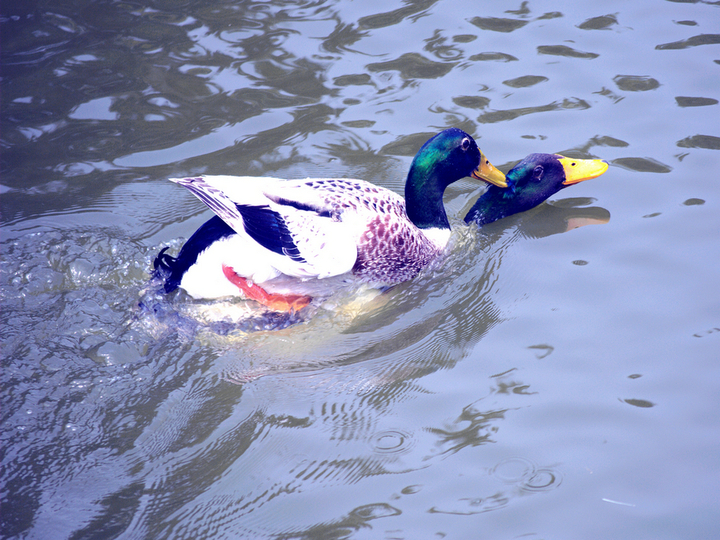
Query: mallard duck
x=268, y=230
x=530, y=182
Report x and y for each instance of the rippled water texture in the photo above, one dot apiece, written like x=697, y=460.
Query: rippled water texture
x=546, y=380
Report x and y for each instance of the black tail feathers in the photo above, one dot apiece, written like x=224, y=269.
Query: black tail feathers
x=165, y=269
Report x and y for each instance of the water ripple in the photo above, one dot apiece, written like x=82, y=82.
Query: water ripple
x=469, y=506
x=564, y=50
x=493, y=57
x=391, y=442
x=526, y=475
x=684, y=101
x=602, y=22
x=498, y=24
x=525, y=81
x=413, y=66
x=709, y=142
x=391, y=18
x=695, y=41
x=642, y=165
x=636, y=83
x=510, y=114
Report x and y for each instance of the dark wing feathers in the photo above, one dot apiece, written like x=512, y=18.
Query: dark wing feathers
x=322, y=212
x=268, y=229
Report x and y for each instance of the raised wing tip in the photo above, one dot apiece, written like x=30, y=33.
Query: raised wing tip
x=186, y=181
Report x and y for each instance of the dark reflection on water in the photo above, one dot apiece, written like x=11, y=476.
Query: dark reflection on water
x=700, y=141
x=502, y=116
x=474, y=391
x=684, y=101
x=564, y=50
x=413, y=66
x=496, y=24
x=642, y=165
x=492, y=56
x=526, y=80
x=694, y=41
x=155, y=416
x=636, y=83
x=598, y=23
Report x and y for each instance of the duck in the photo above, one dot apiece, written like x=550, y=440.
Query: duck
x=530, y=183
x=269, y=236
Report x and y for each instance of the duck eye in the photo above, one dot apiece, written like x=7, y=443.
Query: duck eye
x=465, y=144
x=538, y=172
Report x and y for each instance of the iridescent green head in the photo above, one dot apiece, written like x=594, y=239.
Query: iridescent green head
x=530, y=182
x=449, y=156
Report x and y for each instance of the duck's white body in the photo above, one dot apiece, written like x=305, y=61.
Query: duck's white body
x=273, y=235
x=307, y=229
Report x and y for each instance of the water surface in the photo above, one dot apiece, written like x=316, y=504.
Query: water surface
x=545, y=380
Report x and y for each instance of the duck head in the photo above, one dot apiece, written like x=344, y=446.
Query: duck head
x=447, y=157
x=530, y=182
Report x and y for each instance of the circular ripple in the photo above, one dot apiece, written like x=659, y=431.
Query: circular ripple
x=391, y=442
x=513, y=470
x=526, y=475
x=542, y=480
x=375, y=511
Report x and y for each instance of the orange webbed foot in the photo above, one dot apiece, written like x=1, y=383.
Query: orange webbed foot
x=276, y=302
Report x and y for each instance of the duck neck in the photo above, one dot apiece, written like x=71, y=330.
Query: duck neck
x=424, y=197
x=492, y=205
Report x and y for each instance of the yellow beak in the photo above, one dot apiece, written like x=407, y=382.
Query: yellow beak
x=577, y=170
x=488, y=173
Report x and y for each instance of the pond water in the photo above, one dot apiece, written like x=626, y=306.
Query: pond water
x=544, y=381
